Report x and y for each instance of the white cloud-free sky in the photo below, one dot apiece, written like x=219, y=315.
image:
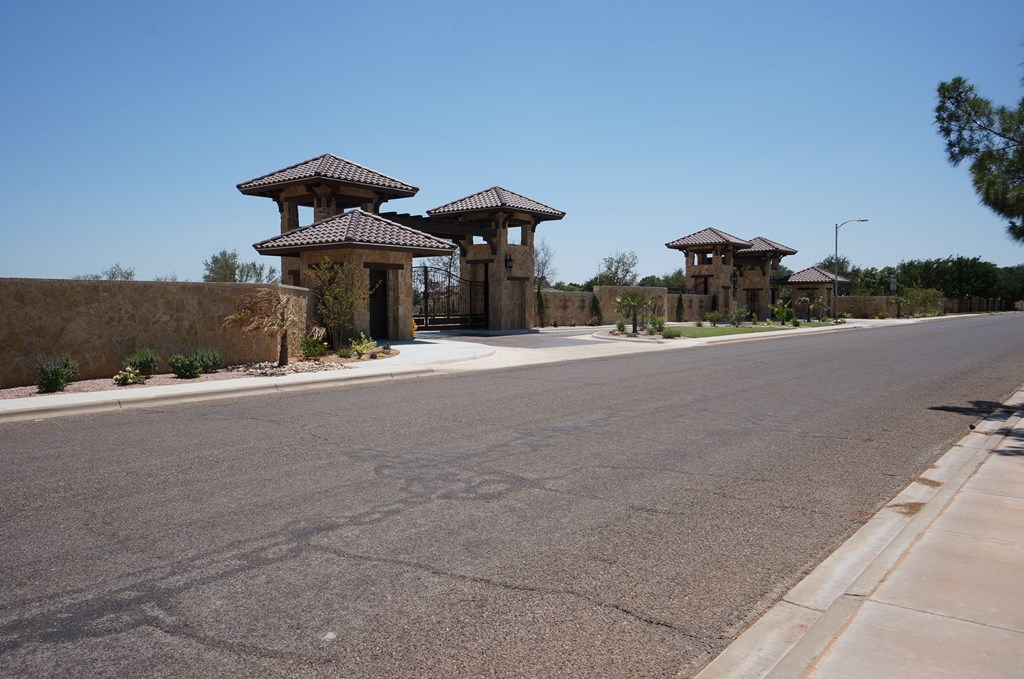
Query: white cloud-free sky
x=126, y=125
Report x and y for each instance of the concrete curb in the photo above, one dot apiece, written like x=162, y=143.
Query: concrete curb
x=786, y=641
x=253, y=386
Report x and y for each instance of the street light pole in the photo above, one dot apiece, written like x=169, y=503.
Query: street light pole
x=835, y=266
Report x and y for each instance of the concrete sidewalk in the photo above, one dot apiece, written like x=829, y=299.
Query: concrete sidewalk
x=929, y=587
x=418, y=357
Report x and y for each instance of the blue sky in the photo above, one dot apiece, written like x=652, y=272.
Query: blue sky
x=126, y=125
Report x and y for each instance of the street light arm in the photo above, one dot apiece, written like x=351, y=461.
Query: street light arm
x=862, y=219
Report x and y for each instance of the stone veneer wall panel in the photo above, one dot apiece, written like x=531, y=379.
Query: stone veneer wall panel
x=101, y=322
x=564, y=307
x=607, y=294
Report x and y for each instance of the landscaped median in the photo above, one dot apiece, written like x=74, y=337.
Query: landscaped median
x=704, y=331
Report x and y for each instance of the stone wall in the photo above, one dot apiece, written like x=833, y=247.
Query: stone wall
x=566, y=307
x=694, y=307
x=101, y=322
x=865, y=306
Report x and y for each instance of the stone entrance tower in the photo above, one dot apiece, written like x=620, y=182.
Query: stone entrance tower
x=481, y=224
x=329, y=185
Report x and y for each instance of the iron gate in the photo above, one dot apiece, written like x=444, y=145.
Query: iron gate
x=441, y=299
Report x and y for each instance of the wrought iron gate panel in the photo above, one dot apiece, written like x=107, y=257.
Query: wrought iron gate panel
x=444, y=300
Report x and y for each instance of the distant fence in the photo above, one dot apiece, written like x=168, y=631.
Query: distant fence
x=101, y=322
x=863, y=306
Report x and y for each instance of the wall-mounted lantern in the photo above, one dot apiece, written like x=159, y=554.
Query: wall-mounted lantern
x=508, y=262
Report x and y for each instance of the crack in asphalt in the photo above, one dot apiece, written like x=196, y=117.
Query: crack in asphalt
x=510, y=586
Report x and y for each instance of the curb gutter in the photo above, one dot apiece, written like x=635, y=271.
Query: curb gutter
x=210, y=391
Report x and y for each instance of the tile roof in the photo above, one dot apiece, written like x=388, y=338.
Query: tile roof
x=709, y=236
x=814, y=274
x=494, y=198
x=332, y=168
x=761, y=244
x=354, y=228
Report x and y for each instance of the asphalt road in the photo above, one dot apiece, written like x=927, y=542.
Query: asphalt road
x=605, y=518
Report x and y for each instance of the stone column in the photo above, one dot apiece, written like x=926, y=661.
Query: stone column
x=290, y=266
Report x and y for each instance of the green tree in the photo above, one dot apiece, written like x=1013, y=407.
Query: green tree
x=256, y=272
x=675, y=280
x=846, y=269
x=954, y=276
x=341, y=288
x=992, y=139
x=874, y=281
x=651, y=281
x=617, y=269
x=633, y=304
x=114, y=273
x=1011, y=285
x=221, y=267
x=224, y=267
x=569, y=287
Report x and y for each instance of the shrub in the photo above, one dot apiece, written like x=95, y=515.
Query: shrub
x=362, y=346
x=185, y=366
x=129, y=375
x=738, y=315
x=595, y=311
x=671, y=333
x=881, y=314
x=713, y=316
x=315, y=348
x=144, y=360
x=542, y=309
x=592, y=321
x=620, y=325
x=572, y=322
x=345, y=352
x=211, y=360
x=658, y=323
x=699, y=324
x=54, y=372
x=796, y=322
x=783, y=311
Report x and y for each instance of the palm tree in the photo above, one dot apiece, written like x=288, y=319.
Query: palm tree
x=268, y=311
x=632, y=303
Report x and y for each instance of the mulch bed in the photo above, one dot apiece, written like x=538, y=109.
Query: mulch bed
x=324, y=364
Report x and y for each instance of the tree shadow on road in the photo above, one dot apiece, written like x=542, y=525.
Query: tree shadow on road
x=978, y=408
